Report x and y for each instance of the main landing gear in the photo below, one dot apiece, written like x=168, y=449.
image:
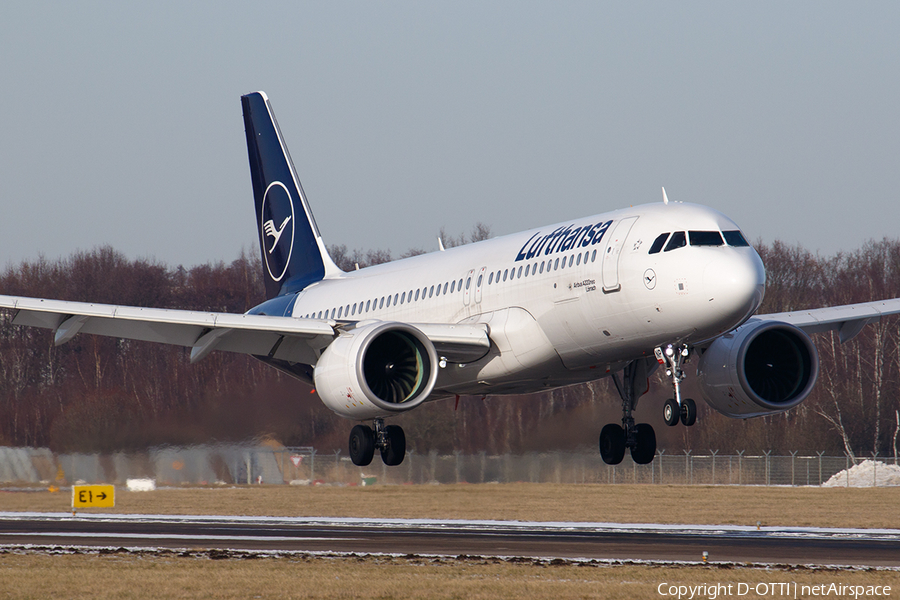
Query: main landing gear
x=640, y=438
x=676, y=409
x=390, y=440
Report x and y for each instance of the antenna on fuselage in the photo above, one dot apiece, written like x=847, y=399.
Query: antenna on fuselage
x=665, y=198
x=440, y=244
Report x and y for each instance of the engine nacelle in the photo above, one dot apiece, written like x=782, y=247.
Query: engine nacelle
x=376, y=370
x=760, y=368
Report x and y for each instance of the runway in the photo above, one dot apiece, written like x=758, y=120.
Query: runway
x=807, y=546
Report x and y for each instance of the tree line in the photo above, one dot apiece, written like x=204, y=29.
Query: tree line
x=102, y=394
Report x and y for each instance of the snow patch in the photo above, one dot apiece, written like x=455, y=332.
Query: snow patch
x=140, y=485
x=868, y=473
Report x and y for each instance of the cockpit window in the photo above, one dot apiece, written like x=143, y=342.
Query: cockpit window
x=735, y=238
x=659, y=242
x=705, y=238
x=678, y=240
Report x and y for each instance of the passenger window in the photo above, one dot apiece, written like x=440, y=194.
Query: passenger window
x=578, y=260
x=593, y=256
x=519, y=275
x=431, y=291
x=571, y=258
x=542, y=267
x=403, y=298
x=734, y=238
x=452, y=286
x=556, y=264
x=658, y=243
x=705, y=238
x=417, y=295
x=354, y=310
x=459, y=285
x=526, y=270
x=491, y=278
x=368, y=304
x=445, y=288
x=505, y=271
x=678, y=240
x=381, y=304
x=340, y=311
x=480, y=278
x=468, y=282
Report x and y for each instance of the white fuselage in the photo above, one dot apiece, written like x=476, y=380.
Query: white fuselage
x=564, y=303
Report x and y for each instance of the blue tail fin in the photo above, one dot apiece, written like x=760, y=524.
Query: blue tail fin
x=293, y=253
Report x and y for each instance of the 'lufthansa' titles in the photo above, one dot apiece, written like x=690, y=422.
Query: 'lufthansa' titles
x=562, y=239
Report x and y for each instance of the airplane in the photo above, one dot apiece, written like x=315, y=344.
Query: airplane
x=612, y=295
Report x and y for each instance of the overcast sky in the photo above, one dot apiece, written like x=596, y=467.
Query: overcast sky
x=121, y=121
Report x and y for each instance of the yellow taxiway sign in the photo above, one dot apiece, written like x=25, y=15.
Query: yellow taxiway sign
x=93, y=496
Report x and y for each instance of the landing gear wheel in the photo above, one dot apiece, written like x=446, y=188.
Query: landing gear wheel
x=645, y=449
x=688, y=412
x=612, y=444
x=393, y=453
x=362, y=445
x=671, y=412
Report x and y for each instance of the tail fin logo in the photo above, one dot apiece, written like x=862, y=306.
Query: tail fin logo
x=269, y=229
x=277, y=207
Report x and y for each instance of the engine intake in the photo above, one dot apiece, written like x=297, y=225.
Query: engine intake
x=376, y=370
x=760, y=368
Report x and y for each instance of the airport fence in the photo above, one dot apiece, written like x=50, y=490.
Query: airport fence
x=243, y=464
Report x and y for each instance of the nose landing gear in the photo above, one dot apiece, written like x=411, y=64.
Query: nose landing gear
x=677, y=409
x=390, y=440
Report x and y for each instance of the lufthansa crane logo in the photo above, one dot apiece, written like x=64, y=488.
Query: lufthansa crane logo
x=277, y=220
x=269, y=229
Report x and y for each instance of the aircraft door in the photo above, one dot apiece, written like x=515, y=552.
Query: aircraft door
x=467, y=290
x=479, y=283
x=614, y=244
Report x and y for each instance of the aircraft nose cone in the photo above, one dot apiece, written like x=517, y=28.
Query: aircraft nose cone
x=734, y=286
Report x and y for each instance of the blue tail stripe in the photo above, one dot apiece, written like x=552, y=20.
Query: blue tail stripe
x=288, y=234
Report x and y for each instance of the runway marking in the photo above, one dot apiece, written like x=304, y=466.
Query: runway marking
x=176, y=536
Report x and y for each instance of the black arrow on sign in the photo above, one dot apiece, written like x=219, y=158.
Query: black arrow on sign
x=102, y=495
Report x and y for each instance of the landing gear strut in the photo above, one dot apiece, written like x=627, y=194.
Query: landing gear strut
x=390, y=440
x=677, y=409
x=640, y=438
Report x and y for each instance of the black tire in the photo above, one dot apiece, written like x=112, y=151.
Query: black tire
x=362, y=445
x=688, y=412
x=645, y=449
x=612, y=444
x=396, y=450
x=671, y=412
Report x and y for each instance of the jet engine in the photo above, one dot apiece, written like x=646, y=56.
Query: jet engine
x=376, y=370
x=760, y=368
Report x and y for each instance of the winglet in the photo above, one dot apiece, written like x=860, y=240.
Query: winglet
x=293, y=253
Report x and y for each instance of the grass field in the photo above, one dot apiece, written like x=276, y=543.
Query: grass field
x=713, y=505
x=127, y=576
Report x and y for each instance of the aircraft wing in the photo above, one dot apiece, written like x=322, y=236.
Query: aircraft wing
x=848, y=319
x=283, y=338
